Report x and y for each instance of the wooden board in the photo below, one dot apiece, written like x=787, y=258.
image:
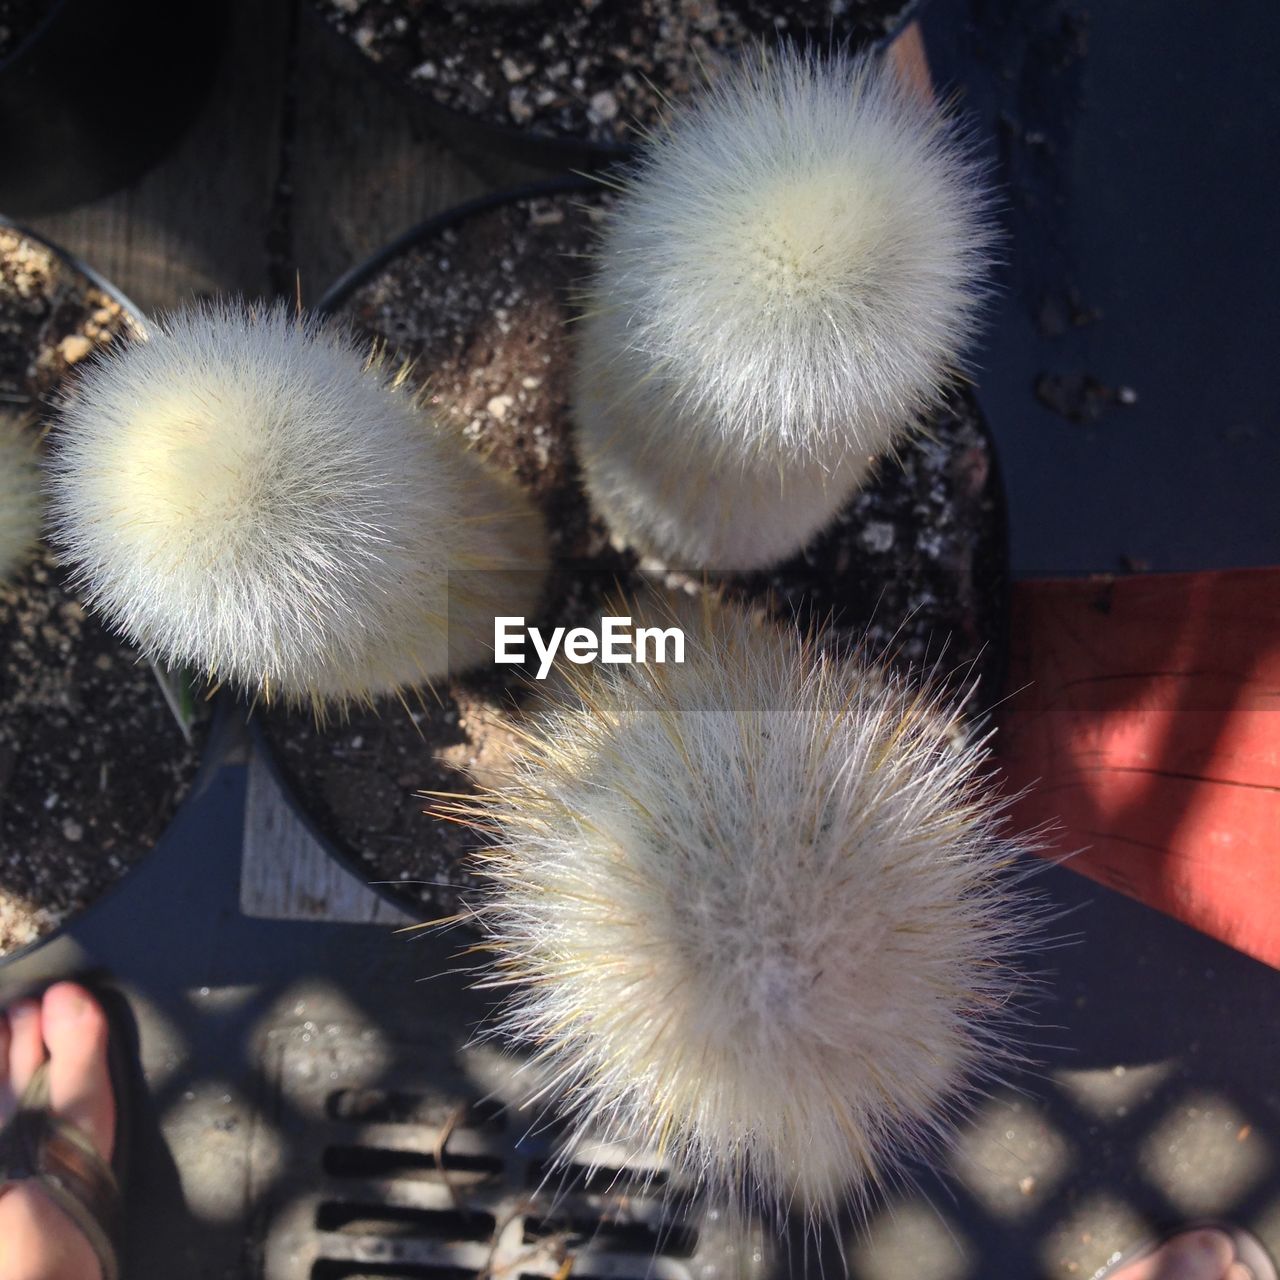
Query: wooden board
x=1144, y=717
x=286, y=874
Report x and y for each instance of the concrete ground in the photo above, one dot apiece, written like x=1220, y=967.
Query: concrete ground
x=304, y=1078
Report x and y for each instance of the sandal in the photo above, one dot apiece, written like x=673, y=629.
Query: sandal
x=1250, y=1251
x=38, y=1146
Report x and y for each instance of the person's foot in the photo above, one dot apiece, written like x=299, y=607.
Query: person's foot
x=37, y=1241
x=1193, y=1255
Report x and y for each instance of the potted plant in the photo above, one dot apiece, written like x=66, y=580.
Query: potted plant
x=755, y=913
x=251, y=496
x=95, y=764
x=485, y=301
x=788, y=280
x=779, y=858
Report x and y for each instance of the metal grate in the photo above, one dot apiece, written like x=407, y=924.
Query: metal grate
x=377, y=1173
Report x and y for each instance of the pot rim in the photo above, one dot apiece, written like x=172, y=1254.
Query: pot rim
x=359, y=275
x=137, y=317
x=222, y=726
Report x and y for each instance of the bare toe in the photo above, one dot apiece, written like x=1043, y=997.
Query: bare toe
x=37, y=1241
x=1193, y=1255
x=26, y=1048
x=75, y=1031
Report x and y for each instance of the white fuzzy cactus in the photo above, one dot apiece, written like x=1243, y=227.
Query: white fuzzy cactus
x=789, y=277
x=19, y=493
x=756, y=912
x=247, y=494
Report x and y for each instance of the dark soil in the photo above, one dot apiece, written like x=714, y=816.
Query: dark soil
x=18, y=18
x=588, y=69
x=92, y=764
x=914, y=565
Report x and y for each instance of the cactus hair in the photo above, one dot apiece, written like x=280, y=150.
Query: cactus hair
x=788, y=279
x=758, y=913
x=250, y=494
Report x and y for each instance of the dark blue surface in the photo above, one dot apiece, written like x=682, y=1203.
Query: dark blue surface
x=1134, y=143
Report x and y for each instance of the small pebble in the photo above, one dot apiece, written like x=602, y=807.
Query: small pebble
x=877, y=536
x=518, y=105
x=74, y=347
x=604, y=106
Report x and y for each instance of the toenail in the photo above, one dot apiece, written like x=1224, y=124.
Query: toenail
x=23, y=1010
x=1210, y=1241
x=1212, y=1245
x=69, y=1002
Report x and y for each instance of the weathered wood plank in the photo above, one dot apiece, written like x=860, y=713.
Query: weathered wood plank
x=358, y=169
x=301, y=160
x=198, y=222
x=285, y=874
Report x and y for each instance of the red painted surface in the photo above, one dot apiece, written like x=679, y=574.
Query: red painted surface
x=1144, y=714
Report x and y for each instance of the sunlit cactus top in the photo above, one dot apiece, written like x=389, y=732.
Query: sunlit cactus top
x=248, y=494
x=795, y=266
x=757, y=912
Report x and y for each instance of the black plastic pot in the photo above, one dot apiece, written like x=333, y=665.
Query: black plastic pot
x=473, y=135
x=993, y=569
x=25, y=970
x=118, y=296
x=347, y=283
x=97, y=92
x=222, y=727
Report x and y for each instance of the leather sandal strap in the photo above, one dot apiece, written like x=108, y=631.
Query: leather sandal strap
x=58, y=1156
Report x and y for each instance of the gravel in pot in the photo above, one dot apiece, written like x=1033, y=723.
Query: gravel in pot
x=568, y=81
x=93, y=765
x=480, y=300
